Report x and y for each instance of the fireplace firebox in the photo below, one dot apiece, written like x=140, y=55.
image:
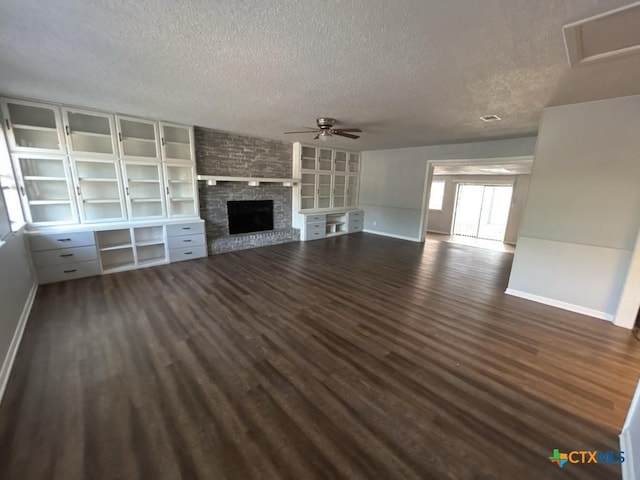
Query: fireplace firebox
x=250, y=216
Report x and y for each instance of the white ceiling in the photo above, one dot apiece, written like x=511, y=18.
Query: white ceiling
x=408, y=73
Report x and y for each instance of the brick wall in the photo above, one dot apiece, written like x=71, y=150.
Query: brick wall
x=221, y=153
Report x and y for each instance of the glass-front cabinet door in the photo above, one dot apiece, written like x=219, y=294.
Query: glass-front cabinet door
x=354, y=163
x=46, y=189
x=339, y=191
x=90, y=133
x=352, y=191
x=308, y=158
x=308, y=191
x=177, y=143
x=324, y=191
x=99, y=190
x=340, y=162
x=138, y=138
x=33, y=127
x=325, y=160
x=144, y=190
x=180, y=189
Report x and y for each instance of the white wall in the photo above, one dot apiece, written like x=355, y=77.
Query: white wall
x=17, y=288
x=392, y=182
x=583, y=210
x=441, y=221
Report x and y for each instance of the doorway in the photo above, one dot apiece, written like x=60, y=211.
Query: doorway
x=482, y=211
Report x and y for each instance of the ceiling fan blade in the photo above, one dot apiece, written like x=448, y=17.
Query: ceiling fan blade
x=348, y=135
x=347, y=130
x=302, y=131
x=316, y=137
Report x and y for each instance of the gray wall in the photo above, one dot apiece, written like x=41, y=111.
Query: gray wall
x=392, y=182
x=583, y=210
x=16, y=283
x=227, y=154
x=441, y=221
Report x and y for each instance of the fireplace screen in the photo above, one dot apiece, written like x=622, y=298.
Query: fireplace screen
x=250, y=216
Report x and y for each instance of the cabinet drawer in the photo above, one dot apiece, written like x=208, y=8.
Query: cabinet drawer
x=356, y=214
x=185, y=229
x=312, y=227
x=64, y=256
x=315, y=218
x=356, y=228
x=314, y=235
x=189, y=253
x=186, y=241
x=355, y=221
x=60, y=273
x=61, y=240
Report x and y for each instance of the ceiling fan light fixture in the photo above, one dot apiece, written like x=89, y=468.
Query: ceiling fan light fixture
x=324, y=135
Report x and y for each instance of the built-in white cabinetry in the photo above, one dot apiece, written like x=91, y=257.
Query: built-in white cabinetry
x=138, y=138
x=90, y=133
x=186, y=241
x=180, y=189
x=99, y=189
x=328, y=178
x=33, y=127
x=177, y=143
x=64, y=256
x=76, y=165
x=326, y=198
x=322, y=225
x=46, y=188
x=144, y=189
x=60, y=255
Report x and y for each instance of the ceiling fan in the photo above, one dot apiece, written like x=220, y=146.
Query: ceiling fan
x=325, y=130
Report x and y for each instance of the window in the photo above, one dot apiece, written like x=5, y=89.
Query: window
x=437, y=195
x=11, y=218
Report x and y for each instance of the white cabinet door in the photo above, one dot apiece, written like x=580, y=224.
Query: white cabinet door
x=354, y=163
x=308, y=160
x=33, y=127
x=177, y=143
x=181, y=190
x=340, y=162
x=325, y=160
x=138, y=139
x=90, y=133
x=352, y=191
x=324, y=190
x=144, y=190
x=99, y=190
x=308, y=191
x=46, y=189
x=339, y=191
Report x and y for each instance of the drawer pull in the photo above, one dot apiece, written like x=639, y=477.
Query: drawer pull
x=188, y=253
x=187, y=241
x=64, y=239
x=66, y=255
x=71, y=271
x=186, y=228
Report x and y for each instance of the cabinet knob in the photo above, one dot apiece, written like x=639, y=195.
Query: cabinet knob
x=6, y=122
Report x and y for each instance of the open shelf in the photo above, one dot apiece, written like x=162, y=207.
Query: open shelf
x=98, y=180
x=145, y=200
x=32, y=178
x=102, y=200
x=115, y=246
x=49, y=202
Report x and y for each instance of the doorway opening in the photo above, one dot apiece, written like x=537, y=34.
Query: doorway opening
x=482, y=211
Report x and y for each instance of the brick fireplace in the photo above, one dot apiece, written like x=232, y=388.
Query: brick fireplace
x=222, y=153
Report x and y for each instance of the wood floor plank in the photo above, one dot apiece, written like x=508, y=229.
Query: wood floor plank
x=352, y=357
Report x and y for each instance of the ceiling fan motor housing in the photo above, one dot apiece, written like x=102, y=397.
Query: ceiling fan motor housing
x=326, y=123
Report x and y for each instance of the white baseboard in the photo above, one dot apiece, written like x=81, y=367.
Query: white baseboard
x=5, y=371
x=439, y=232
x=392, y=235
x=559, y=304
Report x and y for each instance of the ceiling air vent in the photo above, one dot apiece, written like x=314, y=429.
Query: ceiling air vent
x=490, y=118
x=604, y=36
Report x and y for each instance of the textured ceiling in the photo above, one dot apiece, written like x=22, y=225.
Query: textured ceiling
x=407, y=72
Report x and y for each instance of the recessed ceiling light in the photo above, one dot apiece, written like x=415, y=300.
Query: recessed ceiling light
x=490, y=118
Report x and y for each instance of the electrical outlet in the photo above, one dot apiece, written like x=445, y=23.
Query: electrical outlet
x=375, y=223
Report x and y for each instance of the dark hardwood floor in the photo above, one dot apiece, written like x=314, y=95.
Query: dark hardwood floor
x=352, y=357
